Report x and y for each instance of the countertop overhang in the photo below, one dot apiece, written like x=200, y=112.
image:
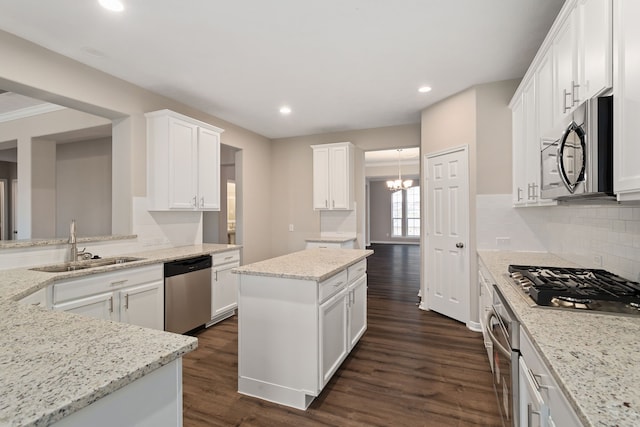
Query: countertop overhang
x=309, y=264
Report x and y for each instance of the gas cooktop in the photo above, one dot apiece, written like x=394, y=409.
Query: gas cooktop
x=578, y=288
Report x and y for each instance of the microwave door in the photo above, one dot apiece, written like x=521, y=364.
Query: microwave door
x=550, y=178
x=571, y=157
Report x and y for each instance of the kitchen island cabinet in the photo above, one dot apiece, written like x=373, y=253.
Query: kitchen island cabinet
x=299, y=316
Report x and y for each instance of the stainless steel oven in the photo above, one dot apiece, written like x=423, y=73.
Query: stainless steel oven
x=504, y=330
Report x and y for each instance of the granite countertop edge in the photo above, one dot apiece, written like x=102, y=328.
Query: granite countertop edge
x=330, y=239
x=603, y=399
x=25, y=281
x=309, y=264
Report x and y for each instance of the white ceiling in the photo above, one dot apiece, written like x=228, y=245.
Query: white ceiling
x=339, y=64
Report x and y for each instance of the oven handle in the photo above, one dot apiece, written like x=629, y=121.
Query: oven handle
x=494, y=340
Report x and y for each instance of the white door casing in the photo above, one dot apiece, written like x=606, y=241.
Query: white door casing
x=447, y=262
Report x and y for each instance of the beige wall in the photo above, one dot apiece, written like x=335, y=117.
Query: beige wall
x=480, y=118
x=34, y=71
x=83, y=187
x=292, y=178
x=493, y=119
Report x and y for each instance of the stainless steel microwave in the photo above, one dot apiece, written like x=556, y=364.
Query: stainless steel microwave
x=579, y=164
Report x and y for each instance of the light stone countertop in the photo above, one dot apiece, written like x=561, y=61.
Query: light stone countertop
x=332, y=239
x=28, y=243
x=55, y=363
x=595, y=358
x=309, y=264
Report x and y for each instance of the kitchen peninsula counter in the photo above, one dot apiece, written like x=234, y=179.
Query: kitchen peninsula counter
x=595, y=358
x=54, y=363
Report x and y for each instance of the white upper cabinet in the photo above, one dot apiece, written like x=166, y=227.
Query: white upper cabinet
x=582, y=54
x=333, y=175
x=565, y=52
x=595, y=34
x=626, y=98
x=183, y=163
x=574, y=63
x=518, y=152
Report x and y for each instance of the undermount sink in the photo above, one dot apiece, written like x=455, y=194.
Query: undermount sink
x=83, y=265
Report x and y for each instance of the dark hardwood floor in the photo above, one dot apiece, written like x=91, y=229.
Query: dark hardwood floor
x=411, y=368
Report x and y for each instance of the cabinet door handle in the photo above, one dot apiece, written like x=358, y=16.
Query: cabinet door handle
x=119, y=282
x=202, y=202
x=338, y=284
x=519, y=194
x=530, y=413
x=216, y=278
x=574, y=89
x=110, y=304
x=566, y=94
x=333, y=203
x=195, y=201
x=326, y=203
x=126, y=301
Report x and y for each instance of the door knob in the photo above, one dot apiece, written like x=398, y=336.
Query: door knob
x=459, y=245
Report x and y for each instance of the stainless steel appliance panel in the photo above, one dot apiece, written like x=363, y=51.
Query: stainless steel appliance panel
x=187, y=298
x=504, y=331
x=579, y=163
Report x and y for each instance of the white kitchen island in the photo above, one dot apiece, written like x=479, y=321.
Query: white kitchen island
x=299, y=316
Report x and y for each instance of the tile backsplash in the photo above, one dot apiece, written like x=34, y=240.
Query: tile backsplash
x=596, y=236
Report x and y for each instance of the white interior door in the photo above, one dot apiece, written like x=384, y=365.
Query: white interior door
x=447, y=218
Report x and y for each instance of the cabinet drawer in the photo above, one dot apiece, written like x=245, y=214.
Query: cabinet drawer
x=559, y=407
x=101, y=282
x=225, y=257
x=332, y=285
x=356, y=270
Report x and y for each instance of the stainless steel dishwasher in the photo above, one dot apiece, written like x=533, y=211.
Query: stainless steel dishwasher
x=187, y=294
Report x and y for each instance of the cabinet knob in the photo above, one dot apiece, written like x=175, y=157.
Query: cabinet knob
x=459, y=245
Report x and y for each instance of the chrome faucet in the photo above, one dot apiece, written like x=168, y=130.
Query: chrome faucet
x=72, y=241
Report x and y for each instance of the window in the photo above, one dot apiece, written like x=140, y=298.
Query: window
x=405, y=213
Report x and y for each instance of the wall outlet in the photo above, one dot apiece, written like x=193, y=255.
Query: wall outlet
x=597, y=260
x=290, y=227
x=503, y=241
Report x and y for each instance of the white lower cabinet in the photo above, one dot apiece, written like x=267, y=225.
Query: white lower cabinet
x=485, y=300
x=357, y=304
x=143, y=305
x=224, y=286
x=542, y=387
x=534, y=412
x=133, y=295
x=333, y=334
x=293, y=334
x=98, y=306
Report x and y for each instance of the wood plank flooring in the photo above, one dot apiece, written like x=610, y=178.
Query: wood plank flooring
x=411, y=368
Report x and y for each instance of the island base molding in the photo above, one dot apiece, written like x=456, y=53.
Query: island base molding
x=275, y=393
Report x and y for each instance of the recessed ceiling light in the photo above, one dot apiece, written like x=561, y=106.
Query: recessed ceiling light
x=285, y=110
x=112, y=5
x=424, y=89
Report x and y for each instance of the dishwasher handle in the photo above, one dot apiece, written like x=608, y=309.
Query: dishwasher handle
x=188, y=265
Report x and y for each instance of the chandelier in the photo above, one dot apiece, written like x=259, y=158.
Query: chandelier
x=399, y=184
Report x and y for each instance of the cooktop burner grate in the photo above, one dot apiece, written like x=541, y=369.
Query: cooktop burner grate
x=582, y=288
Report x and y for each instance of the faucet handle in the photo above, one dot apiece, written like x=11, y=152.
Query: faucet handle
x=84, y=255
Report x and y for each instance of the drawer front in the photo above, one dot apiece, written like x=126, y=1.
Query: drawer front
x=103, y=282
x=332, y=286
x=323, y=245
x=559, y=407
x=357, y=270
x=225, y=257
